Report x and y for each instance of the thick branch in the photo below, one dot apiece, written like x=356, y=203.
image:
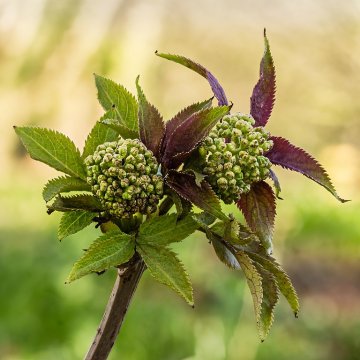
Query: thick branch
x=123, y=290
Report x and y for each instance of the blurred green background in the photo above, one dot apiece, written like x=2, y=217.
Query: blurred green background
x=48, y=52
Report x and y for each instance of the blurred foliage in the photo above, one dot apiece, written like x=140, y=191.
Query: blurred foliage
x=48, y=51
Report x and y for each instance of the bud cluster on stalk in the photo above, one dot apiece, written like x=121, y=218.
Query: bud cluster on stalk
x=233, y=156
x=123, y=174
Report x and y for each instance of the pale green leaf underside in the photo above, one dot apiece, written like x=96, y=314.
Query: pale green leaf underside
x=63, y=184
x=114, y=96
x=166, y=268
x=99, y=134
x=254, y=281
x=109, y=250
x=270, y=299
x=282, y=280
x=52, y=148
x=163, y=230
x=74, y=221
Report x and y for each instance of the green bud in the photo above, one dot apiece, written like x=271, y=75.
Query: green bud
x=123, y=175
x=232, y=156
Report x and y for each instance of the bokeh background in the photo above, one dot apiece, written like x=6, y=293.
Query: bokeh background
x=48, y=52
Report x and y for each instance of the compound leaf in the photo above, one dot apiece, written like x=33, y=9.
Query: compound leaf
x=52, y=148
x=166, y=268
x=108, y=250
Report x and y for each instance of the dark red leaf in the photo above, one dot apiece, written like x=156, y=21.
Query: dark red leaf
x=259, y=209
x=189, y=134
x=215, y=86
x=203, y=197
x=151, y=125
x=182, y=116
x=263, y=96
x=285, y=154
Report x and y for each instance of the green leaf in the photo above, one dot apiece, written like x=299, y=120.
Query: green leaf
x=99, y=134
x=164, y=230
x=116, y=97
x=204, y=219
x=183, y=207
x=254, y=281
x=77, y=202
x=282, y=279
x=112, y=249
x=222, y=251
x=151, y=125
x=74, y=221
x=63, y=184
x=233, y=232
x=270, y=299
x=108, y=119
x=166, y=268
x=52, y=148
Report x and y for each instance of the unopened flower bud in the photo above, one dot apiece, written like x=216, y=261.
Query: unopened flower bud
x=123, y=175
x=233, y=156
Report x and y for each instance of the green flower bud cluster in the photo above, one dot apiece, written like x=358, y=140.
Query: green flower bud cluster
x=123, y=175
x=233, y=156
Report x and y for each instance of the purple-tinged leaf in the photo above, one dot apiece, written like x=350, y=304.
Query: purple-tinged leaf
x=151, y=125
x=276, y=183
x=259, y=209
x=189, y=134
x=203, y=197
x=215, y=86
x=288, y=156
x=182, y=116
x=263, y=96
